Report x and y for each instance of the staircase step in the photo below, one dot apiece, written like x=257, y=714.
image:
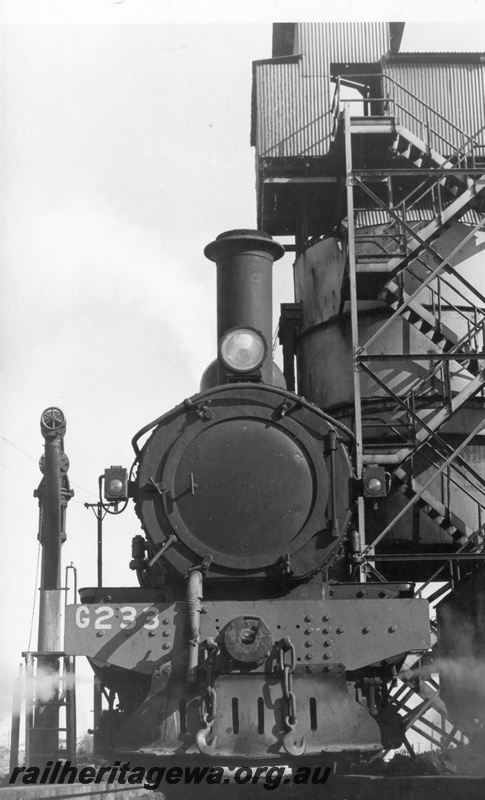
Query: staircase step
x=417, y=711
x=441, y=335
x=394, y=264
x=433, y=228
x=427, y=323
x=450, y=185
x=364, y=258
x=372, y=124
x=373, y=266
x=447, y=411
x=405, y=135
x=464, y=188
x=431, y=506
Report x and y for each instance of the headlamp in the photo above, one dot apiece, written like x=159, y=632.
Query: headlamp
x=242, y=349
x=115, y=484
x=375, y=482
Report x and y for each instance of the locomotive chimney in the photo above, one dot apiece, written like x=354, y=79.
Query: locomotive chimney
x=244, y=261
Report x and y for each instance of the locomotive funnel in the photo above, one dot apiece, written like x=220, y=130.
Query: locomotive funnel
x=244, y=260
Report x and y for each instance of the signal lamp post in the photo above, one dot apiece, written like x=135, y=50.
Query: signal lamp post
x=100, y=513
x=115, y=490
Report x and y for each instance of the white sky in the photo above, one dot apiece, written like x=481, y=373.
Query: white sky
x=124, y=150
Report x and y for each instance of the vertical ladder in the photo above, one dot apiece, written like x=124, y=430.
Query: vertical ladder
x=351, y=249
x=42, y=695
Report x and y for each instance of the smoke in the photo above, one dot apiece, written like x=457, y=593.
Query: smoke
x=460, y=664
x=7, y=678
x=465, y=673
x=461, y=661
x=47, y=684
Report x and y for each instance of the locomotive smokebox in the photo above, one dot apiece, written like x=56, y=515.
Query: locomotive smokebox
x=244, y=260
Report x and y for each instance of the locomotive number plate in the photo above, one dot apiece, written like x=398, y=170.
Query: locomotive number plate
x=105, y=618
x=136, y=636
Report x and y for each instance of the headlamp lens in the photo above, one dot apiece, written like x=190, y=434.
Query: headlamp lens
x=242, y=349
x=115, y=486
x=373, y=485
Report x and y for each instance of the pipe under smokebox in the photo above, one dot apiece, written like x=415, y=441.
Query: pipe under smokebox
x=244, y=261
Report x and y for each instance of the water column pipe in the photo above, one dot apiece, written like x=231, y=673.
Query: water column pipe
x=53, y=428
x=44, y=737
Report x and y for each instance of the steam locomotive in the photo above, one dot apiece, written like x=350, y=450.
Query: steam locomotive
x=252, y=637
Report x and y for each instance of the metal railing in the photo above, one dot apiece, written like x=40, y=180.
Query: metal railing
x=390, y=102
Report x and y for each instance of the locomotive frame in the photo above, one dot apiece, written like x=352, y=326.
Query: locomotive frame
x=248, y=638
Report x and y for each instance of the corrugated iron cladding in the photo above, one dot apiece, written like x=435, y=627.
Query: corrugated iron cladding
x=293, y=116
x=374, y=217
x=293, y=100
x=340, y=42
x=457, y=91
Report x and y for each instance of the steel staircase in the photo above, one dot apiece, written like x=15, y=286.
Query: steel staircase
x=463, y=191
x=419, y=153
x=421, y=716
x=435, y=420
x=398, y=264
x=425, y=322
x=417, y=696
x=447, y=214
x=403, y=191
